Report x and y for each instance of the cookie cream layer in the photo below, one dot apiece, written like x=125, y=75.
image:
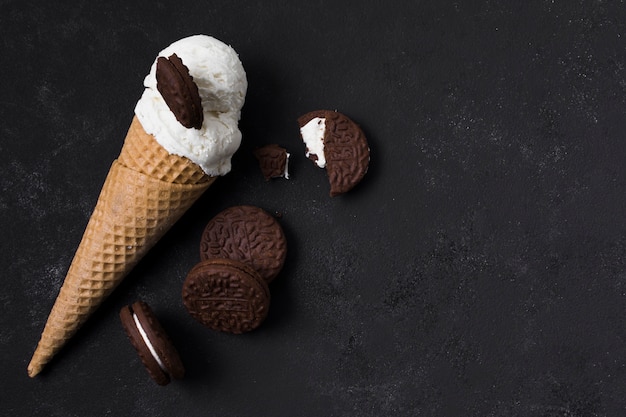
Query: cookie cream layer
x=222, y=84
x=146, y=340
x=313, y=137
x=286, y=171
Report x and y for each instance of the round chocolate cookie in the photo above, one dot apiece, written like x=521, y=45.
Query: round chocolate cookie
x=153, y=345
x=344, y=148
x=226, y=295
x=247, y=234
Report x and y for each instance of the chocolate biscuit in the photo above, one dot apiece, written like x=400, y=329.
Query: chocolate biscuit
x=153, y=345
x=273, y=161
x=345, y=149
x=179, y=91
x=226, y=295
x=248, y=234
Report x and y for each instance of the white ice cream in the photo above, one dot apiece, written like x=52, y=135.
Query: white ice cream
x=313, y=137
x=222, y=84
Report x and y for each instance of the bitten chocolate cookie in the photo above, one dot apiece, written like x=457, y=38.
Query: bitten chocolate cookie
x=153, y=345
x=273, y=161
x=336, y=143
x=226, y=295
x=248, y=234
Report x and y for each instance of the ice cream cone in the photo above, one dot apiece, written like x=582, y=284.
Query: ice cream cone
x=183, y=136
x=146, y=191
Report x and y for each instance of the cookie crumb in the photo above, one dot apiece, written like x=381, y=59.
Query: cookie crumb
x=273, y=161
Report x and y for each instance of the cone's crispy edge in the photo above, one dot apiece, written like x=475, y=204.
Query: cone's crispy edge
x=142, y=153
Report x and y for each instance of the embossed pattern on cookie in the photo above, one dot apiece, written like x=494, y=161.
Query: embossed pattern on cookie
x=247, y=234
x=333, y=141
x=226, y=295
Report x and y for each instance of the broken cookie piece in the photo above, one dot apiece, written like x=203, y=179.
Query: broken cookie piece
x=273, y=161
x=334, y=142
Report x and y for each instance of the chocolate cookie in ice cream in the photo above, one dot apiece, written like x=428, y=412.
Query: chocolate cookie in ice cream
x=179, y=91
x=333, y=141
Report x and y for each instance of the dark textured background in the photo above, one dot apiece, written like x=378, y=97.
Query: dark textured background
x=478, y=270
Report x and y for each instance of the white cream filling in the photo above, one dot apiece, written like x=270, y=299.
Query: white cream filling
x=313, y=137
x=286, y=173
x=144, y=336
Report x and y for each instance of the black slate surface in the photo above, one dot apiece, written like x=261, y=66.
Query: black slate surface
x=478, y=270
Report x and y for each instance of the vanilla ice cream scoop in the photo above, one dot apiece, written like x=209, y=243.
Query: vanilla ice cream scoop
x=221, y=80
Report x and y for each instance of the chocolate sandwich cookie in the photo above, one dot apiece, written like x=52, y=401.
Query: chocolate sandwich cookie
x=248, y=234
x=179, y=91
x=226, y=295
x=273, y=161
x=333, y=141
x=153, y=345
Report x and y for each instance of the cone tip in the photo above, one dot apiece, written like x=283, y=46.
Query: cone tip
x=33, y=369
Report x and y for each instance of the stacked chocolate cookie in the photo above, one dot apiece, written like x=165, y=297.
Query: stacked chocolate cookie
x=242, y=249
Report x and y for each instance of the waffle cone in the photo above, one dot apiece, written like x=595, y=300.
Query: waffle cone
x=146, y=191
x=142, y=153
